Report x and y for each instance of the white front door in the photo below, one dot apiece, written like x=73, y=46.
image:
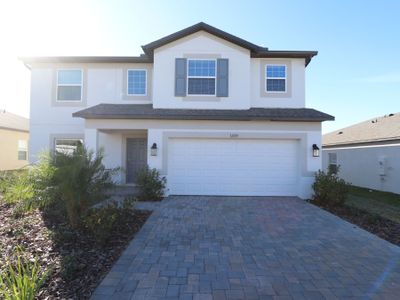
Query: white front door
x=239, y=167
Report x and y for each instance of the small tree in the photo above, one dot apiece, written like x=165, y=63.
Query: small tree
x=151, y=185
x=329, y=189
x=81, y=180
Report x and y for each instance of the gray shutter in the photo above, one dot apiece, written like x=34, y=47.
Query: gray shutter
x=222, y=77
x=180, y=77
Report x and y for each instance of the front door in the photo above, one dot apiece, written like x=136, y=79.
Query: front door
x=136, y=157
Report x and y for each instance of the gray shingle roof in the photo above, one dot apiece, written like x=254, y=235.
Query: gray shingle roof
x=255, y=50
x=381, y=129
x=12, y=121
x=146, y=111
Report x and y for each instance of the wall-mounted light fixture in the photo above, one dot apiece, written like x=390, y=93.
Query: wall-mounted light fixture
x=153, y=150
x=315, y=150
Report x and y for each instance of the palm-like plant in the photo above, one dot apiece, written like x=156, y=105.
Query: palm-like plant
x=81, y=180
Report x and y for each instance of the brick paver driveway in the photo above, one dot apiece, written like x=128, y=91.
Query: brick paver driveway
x=251, y=248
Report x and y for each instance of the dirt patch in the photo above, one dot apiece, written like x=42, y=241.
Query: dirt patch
x=77, y=262
x=384, y=228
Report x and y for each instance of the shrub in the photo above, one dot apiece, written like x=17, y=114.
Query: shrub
x=22, y=281
x=81, y=181
x=28, y=188
x=102, y=220
x=151, y=185
x=329, y=189
x=42, y=176
x=16, y=187
x=69, y=267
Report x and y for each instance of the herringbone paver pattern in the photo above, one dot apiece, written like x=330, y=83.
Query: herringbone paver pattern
x=251, y=248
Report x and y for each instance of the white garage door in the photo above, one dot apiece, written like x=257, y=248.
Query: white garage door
x=241, y=167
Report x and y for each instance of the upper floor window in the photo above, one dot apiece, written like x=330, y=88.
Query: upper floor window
x=22, y=150
x=275, y=78
x=69, y=85
x=201, y=77
x=137, y=82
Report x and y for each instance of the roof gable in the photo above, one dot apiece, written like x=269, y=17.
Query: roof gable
x=149, y=48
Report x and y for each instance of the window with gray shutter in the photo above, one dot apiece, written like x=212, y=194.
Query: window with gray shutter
x=202, y=77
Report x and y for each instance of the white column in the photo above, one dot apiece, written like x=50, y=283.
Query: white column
x=91, y=139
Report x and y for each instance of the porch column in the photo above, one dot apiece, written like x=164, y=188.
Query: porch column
x=91, y=139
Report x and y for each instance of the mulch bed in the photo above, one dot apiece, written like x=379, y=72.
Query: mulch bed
x=77, y=262
x=384, y=228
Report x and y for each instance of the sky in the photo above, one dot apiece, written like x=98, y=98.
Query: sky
x=356, y=75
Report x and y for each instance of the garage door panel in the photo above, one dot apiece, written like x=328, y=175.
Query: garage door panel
x=232, y=167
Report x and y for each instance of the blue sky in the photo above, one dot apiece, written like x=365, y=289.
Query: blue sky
x=356, y=75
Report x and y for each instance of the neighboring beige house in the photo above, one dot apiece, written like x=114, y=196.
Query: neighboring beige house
x=14, y=136
x=368, y=153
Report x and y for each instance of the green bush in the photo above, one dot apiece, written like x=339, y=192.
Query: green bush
x=69, y=266
x=329, y=189
x=28, y=188
x=42, y=176
x=81, y=181
x=16, y=187
x=22, y=281
x=101, y=221
x=69, y=182
x=151, y=185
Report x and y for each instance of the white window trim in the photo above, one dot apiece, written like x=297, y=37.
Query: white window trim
x=329, y=156
x=127, y=82
x=207, y=77
x=81, y=85
x=266, y=78
x=25, y=149
x=65, y=139
x=333, y=164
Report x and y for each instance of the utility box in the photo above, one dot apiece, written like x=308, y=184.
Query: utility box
x=382, y=165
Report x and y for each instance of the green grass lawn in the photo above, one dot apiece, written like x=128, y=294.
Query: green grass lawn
x=384, y=204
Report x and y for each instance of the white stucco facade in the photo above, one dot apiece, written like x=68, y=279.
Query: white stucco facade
x=112, y=133
x=106, y=83
x=372, y=166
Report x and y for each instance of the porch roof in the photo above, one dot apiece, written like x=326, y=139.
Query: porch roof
x=146, y=111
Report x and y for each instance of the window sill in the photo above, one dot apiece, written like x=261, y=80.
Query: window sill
x=202, y=98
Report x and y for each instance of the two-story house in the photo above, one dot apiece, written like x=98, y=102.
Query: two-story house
x=216, y=114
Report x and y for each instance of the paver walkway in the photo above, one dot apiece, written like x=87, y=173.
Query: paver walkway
x=251, y=248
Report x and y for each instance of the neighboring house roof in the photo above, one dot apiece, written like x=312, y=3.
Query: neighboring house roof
x=381, y=129
x=146, y=111
x=13, y=122
x=255, y=50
